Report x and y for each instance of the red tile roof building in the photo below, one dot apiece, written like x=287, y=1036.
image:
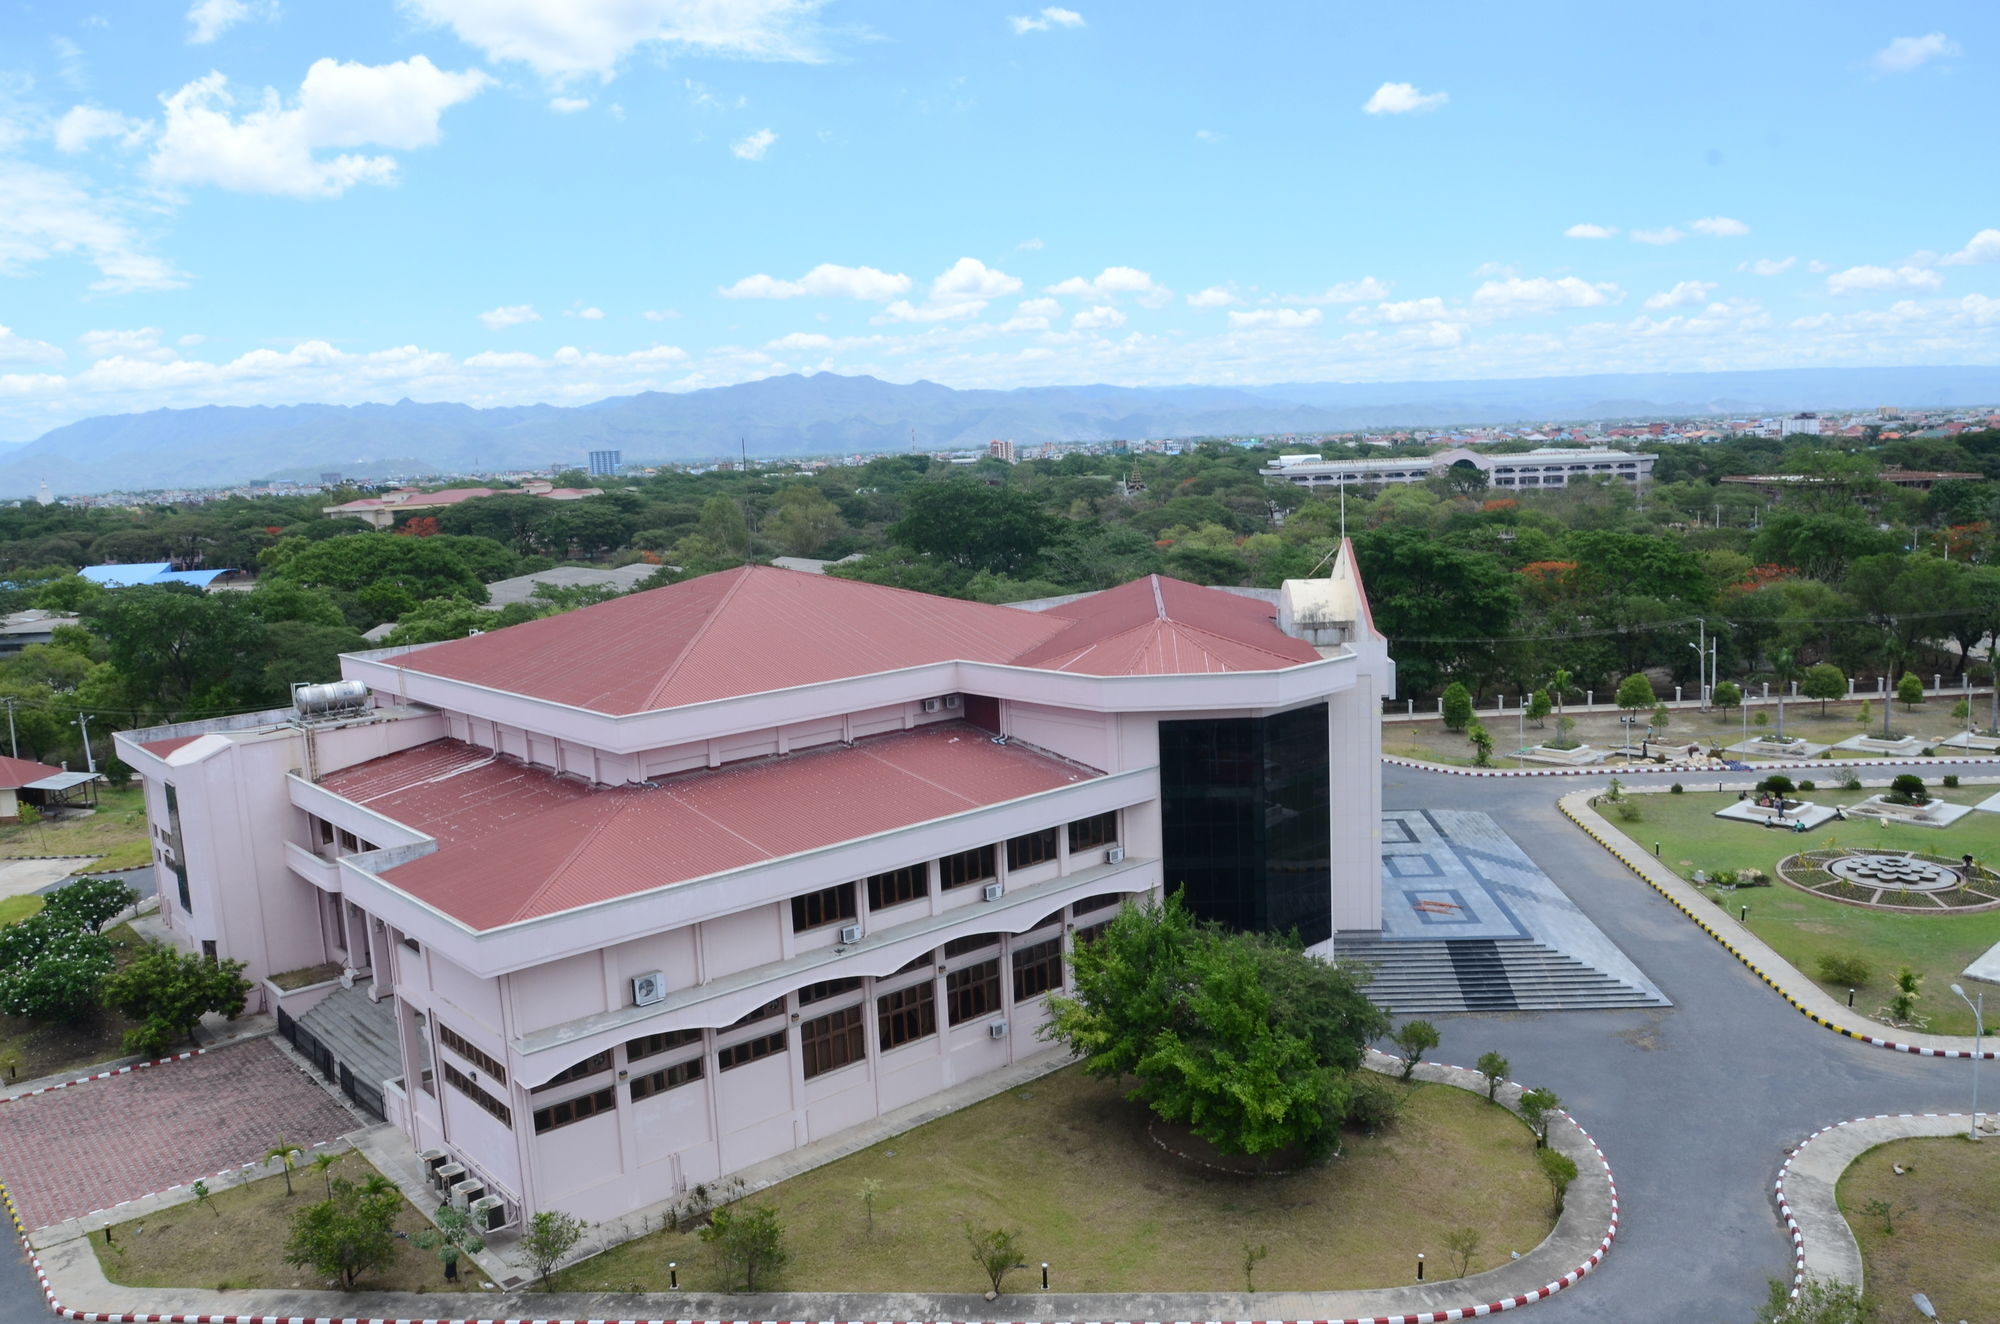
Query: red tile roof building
x=666, y=886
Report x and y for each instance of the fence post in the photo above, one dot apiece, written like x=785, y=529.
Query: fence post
x=1677, y=694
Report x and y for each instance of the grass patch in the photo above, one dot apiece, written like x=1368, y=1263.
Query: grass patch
x=1946, y=1212
x=237, y=1240
x=14, y=909
x=307, y=976
x=1801, y=927
x=1067, y=1164
x=31, y=1049
x=116, y=833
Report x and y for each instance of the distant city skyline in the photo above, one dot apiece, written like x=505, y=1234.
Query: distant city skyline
x=516, y=201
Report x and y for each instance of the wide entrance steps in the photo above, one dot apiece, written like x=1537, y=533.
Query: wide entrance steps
x=1484, y=974
x=352, y=1041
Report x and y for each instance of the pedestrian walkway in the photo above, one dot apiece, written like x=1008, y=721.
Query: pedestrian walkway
x=1811, y=1000
x=75, y=1284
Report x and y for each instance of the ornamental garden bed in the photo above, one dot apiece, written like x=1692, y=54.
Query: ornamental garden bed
x=30, y=1049
x=1938, y=1236
x=1068, y=1165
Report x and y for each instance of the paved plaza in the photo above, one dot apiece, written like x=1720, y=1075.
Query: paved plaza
x=86, y=1147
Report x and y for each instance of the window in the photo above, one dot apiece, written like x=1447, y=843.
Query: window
x=1034, y=848
x=590, y=1066
x=1090, y=905
x=325, y=830
x=456, y=1079
x=774, y=1007
x=917, y=962
x=575, y=1110
x=457, y=1044
x=1090, y=933
x=1098, y=830
x=1037, y=969
x=177, y=855
x=736, y=1055
x=832, y=1041
x=973, y=991
x=654, y=1044
x=667, y=1078
x=970, y=866
x=971, y=943
x=349, y=844
x=907, y=1015
x=816, y=910
x=898, y=885
x=827, y=988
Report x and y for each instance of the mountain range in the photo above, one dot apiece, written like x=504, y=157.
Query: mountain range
x=828, y=414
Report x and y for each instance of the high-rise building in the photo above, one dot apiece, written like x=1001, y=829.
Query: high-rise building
x=1001, y=450
x=605, y=464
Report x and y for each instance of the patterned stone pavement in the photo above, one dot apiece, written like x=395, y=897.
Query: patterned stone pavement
x=86, y=1147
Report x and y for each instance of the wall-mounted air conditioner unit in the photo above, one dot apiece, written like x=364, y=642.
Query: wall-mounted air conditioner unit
x=951, y=701
x=931, y=705
x=489, y=1213
x=997, y=1030
x=992, y=892
x=648, y=989
x=850, y=933
x=1115, y=855
x=465, y=1192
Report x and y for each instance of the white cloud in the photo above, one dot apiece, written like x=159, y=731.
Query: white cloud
x=753, y=147
x=1857, y=280
x=1113, y=281
x=209, y=19
x=81, y=126
x=1353, y=291
x=191, y=339
x=1432, y=309
x=1719, y=227
x=143, y=343
x=1028, y=246
x=271, y=149
x=1665, y=235
x=1682, y=294
x=20, y=350
x=49, y=214
x=1052, y=17
x=1521, y=297
x=1289, y=319
x=969, y=278
x=568, y=105
x=1209, y=136
x=1585, y=230
x=902, y=310
x=1770, y=266
x=801, y=340
x=513, y=314
x=826, y=281
x=1403, y=99
x=1098, y=318
x=591, y=314
x=661, y=314
x=1983, y=247
x=1490, y=270
x=1215, y=296
x=561, y=39
x=1906, y=54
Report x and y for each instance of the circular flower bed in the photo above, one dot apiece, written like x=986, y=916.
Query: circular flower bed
x=1893, y=880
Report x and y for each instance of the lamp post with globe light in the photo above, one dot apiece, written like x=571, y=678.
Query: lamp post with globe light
x=1978, y=1035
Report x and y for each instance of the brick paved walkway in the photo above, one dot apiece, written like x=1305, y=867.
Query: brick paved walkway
x=72, y=1151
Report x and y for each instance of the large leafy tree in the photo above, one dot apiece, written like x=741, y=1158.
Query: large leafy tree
x=1243, y=1038
x=168, y=992
x=176, y=648
x=973, y=525
x=1443, y=609
x=389, y=574
x=52, y=968
x=348, y=1235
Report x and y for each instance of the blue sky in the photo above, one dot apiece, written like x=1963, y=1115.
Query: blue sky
x=500, y=201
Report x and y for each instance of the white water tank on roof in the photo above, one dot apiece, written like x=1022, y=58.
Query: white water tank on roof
x=333, y=697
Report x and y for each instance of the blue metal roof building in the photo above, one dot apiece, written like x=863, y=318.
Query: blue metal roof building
x=148, y=572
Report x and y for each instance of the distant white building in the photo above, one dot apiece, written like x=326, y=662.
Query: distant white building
x=1540, y=468
x=1808, y=424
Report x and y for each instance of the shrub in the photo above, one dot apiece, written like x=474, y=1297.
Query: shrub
x=995, y=1250
x=1723, y=878
x=1457, y=707
x=1494, y=1067
x=168, y=992
x=1752, y=878
x=1560, y=1169
x=1676, y=789
x=349, y=1234
x=1845, y=969
x=1906, y=788
x=1850, y=783
x=1950, y=780
x=1413, y=1039
x=553, y=1234
x=1777, y=784
x=1808, y=785
x=1629, y=811
x=1376, y=1103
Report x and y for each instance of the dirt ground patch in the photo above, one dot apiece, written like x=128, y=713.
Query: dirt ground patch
x=1945, y=1212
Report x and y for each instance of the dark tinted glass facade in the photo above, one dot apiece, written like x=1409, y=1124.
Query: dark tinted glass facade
x=1244, y=803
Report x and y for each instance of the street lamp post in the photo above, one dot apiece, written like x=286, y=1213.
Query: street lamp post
x=1978, y=1034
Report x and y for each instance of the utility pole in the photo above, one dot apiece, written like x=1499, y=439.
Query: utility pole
x=83, y=723
x=13, y=745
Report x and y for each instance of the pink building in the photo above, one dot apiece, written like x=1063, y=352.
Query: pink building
x=616, y=902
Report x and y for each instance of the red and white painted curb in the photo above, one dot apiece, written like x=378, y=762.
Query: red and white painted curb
x=1918, y=1050
x=1785, y=1202
x=1697, y=769
x=105, y=1075
x=238, y=1170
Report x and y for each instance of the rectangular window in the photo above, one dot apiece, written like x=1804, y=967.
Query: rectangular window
x=1032, y=849
x=973, y=992
x=590, y=1066
x=832, y=1041
x=457, y=1044
x=575, y=1110
x=1090, y=905
x=177, y=849
x=667, y=1078
x=1098, y=830
x=457, y=1080
x=970, y=943
x=348, y=843
x=654, y=1044
x=826, y=988
x=907, y=1015
x=1038, y=968
x=325, y=830
x=736, y=1055
x=897, y=886
x=968, y=866
x=816, y=910
x=1090, y=933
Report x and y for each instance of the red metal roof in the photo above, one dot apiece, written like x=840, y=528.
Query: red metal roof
x=162, y=748
x=16, y=773
x=761, y=628
x=517, y=843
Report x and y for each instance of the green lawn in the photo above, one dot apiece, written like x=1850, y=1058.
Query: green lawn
x=1801, y=927
x=1946, y=1215
x=1068, y=1165
x=14, y=909
x=116, y=833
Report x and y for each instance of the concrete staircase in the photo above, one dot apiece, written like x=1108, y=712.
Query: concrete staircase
x=360, y=1034
x=1484, y=974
